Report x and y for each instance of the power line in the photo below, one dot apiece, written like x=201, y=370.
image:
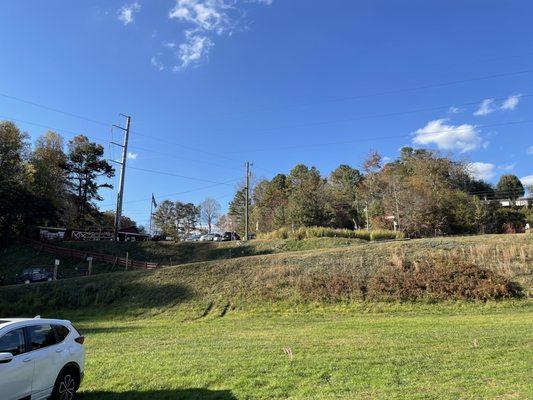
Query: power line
x=176, y=193
x=340, y=99
x=383, y=115
x=57, y=110
x=176, y=175
x=399, y=91
x=367, y=139
x=169, y=155
x=188, y=147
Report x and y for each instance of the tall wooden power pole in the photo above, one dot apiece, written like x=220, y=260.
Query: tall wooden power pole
x=120, y=195
x=246, y=205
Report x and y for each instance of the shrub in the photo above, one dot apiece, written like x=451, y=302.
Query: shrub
x=319, y=232
x=331, y=286
x=440, y=279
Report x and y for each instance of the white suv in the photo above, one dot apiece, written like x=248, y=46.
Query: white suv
x=40, y=359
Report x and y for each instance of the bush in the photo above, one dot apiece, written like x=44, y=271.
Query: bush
x=331, y=286
x=440, y=279
x=319, y=232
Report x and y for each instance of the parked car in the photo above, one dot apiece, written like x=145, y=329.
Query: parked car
x=218, y=238
x=31, y=275
x=192, y=238
x=210, y=237
x=228, y=236
x=40, y=359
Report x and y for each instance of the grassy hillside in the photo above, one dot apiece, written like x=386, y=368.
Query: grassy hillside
x=17, y=257
x=289, y=322
x=332, y=274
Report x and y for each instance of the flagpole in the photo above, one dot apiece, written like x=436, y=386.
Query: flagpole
x=151, y=213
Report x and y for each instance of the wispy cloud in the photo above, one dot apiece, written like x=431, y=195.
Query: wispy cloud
x=488, y=106
x=481, y=170
x=207, y=20
x=157, y=64
x=462, y=138
x=511, y=102
x=127, y=12
x=132, y=156
x=529, y=151
x=507, y=167
x=193, y=49
x=454, y=110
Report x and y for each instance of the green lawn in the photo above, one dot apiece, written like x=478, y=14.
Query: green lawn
x=411, y=352
x=216, y=327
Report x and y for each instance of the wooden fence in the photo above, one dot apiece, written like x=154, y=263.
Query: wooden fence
x=80, y=254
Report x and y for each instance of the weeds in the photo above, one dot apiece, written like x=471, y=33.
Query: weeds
x=320, y=232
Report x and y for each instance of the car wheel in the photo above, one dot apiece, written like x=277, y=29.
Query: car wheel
x=49, y=279
x=27, y=281
x=66, y=386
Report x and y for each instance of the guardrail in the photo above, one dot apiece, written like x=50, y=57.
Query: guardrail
x=81, y=254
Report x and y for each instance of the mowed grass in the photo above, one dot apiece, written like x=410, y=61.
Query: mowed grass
x=472, y=351
x=217, y=329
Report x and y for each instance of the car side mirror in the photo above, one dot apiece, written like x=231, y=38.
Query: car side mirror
x=6, y=358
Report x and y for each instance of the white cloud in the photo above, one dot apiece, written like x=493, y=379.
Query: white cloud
x=511, y=102
x=208, y=15
x=508, y=167
x=126, y=14
x=486, y=107
x=527, y=180
x=132, y=156
x=193, y=49
x=529, y=150
x=481, y=170
x=207, y=18
x=157, y=64
x=454, y=110
x=449, y=137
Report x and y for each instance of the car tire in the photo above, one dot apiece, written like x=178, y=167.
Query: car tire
x=27, y=282
x=49, y=279
x=67, y=383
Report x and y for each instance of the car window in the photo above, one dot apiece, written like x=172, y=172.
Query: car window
x=13, y=342
x=61, y=332
x=41, y=336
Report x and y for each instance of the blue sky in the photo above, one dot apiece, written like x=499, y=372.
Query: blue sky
x=213, y=83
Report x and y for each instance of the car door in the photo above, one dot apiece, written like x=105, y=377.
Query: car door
x=16, y=375
x=46, y=354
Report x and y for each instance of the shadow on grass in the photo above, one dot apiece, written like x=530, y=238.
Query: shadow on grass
x=110, y=329
x=169, y=253
x=120, y=291
x=178, y=394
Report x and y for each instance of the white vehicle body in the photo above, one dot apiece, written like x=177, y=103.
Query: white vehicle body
x=36, y=355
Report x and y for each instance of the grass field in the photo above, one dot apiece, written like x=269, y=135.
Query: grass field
x=337, y=353
x=242, y=326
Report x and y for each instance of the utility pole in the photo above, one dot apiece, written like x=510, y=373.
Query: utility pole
x=397, y=204
x=246, y=208
x=120, y=195
x=366, y=217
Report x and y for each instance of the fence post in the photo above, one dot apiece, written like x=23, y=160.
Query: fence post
x=127, y=256
x=56, y=265
x=90, y=259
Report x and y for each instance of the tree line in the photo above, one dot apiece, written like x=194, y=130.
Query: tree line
x=179, y=220
x=51, y=183
x=424, y=193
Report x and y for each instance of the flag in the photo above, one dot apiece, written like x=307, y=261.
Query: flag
x=154, y=203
